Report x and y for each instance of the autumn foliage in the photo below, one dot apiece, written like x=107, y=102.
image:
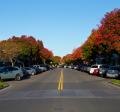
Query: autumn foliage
x=103, y=41
x=25, y=49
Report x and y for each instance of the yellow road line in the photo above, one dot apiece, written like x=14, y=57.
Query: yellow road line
x=61, y=82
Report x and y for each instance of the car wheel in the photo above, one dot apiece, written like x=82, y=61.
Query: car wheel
x=33, y=73
x=18, y=77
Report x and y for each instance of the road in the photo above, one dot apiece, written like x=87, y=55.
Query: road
x=61, y=90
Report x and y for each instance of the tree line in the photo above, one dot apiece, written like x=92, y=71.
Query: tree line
x=26, y=51
x=103, y=42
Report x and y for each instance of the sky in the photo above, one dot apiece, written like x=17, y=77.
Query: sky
x=62, y=25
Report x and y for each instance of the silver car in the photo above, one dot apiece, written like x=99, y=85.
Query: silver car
x=30, y=71
x=11, y=73
x=113, y=72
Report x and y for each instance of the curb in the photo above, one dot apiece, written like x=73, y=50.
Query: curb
x=5, y=89
x=114, y=85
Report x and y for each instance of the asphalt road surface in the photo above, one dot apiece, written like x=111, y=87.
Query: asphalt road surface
x=61, y=90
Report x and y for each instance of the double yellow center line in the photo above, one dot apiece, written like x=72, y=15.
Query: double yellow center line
x=61, y=82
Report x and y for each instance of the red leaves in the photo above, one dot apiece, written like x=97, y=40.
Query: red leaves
x=110, y=30
x=104, y=39
x=45, y=53
x=35, y=45
x=77, y=54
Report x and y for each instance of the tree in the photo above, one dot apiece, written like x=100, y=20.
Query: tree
x=9, y=51
x=25, y=49
x=102, y=42
x=67, y=59
x=109, y=36
x=45, y=54
x=56, y=59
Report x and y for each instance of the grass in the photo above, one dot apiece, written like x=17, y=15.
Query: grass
x=116, y=82
x=3, y=85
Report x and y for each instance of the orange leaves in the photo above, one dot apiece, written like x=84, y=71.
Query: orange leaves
x=56, y=59
x=77, y=54
x=45, y=53
x=26, y=49
x=102, y=41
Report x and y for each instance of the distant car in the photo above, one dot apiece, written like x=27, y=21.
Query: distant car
x=30, y=71
x=65, y=66
x=43, y=68
x=113, y=72
x=37, y=67
x=70, y=66
x=79, y=67
x=76, y=67
x=11, y=73
x=82, y=68
x=86, y=68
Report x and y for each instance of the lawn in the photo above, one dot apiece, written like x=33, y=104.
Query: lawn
x=116, y=82
x=3, y=85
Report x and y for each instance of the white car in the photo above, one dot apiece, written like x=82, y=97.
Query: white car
x=75, y=67
x=94, y=68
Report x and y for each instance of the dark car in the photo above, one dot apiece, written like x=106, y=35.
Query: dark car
x=103, y=70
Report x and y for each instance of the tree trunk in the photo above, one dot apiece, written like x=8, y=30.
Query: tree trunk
x=12, y=62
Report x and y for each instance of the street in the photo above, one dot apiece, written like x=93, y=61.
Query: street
x=61, y=90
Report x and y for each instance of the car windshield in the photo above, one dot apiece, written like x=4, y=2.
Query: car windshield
x=27, y=68
x=94, y=66
x=104, y=66
x=113, y=68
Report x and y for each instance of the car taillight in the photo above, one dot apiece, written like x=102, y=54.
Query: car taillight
x=96, y=70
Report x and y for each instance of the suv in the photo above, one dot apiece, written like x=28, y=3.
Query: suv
x=11, y=73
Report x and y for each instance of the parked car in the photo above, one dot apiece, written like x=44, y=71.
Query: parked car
x=30, y=71
x=37, y=67
x=94, y=70
x=11, y=73
x=72, y=66
x=88, y=68
x=69, y=66
x=103, y=70
x=113, y=72
x=84, y=68
x=43, y=68
x=65, y=66
x=80, y=67
x=76, y=67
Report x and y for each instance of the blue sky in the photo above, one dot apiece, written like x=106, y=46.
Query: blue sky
x=62, y=24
